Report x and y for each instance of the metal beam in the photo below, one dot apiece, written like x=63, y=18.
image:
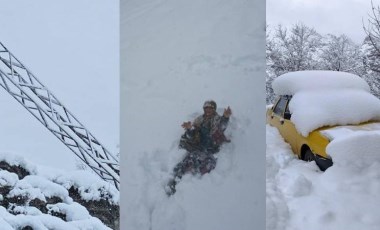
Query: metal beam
x=21, y=83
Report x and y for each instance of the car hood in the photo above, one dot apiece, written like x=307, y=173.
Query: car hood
x=343, y=131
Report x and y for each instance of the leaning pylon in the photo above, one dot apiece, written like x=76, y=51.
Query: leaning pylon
x=17, y=80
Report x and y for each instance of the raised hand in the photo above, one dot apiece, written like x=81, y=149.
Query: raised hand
x=227, y=112
x=186, y=125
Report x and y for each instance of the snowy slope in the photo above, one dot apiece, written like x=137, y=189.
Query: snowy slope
x=38, y=198
x=174, y=56
x=345, y=196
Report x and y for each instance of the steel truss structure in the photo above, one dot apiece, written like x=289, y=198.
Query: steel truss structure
x=17, y=80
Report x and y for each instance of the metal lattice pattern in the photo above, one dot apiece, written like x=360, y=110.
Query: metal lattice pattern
x=17, y=80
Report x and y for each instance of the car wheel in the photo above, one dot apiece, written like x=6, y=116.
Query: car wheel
x=309, y=156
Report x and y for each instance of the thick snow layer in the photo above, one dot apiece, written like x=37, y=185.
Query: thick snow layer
x=345, y=196
x=26, y=210
x=345, y=130
x=317, y=108
x=38, y=187
x=293, y=82
x=8, y=179
x=356, y=151
x=72, y=211
x=40, y=222
x=17, y=160
x=176, y=55
x=41, y=187
x=89, y=185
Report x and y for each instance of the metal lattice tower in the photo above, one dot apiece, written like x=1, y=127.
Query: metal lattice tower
x=17, y=80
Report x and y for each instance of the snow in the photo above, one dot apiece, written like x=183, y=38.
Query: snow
x=345, y=130
x=42, y=222
x=317, y=108
x=346, y=148
x=18, y=160
x=37, y=187
x=294, y=82
x=175, y=56
x=41, y=186
x=327, y=98
x=8, y=179
x=345, y=196
x=72, y=211
x=89, y=185
x=25, y=210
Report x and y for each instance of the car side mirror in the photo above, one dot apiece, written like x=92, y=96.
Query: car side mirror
x=287, y=115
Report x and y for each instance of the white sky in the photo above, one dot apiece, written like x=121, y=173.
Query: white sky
x=73, y=48
x=326, y=16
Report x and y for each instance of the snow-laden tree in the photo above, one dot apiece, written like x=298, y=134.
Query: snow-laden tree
x=295, y=49
x=371, y=44
x=290, y=50
x=339, y=53
x=302, y=48
x=371, y=50
x=270, y=75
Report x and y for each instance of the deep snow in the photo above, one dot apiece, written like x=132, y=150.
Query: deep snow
x=174, y=56
x=345, y=196
x=44, y=183
x=317, y=108
x=293, y=82
x=327, y=98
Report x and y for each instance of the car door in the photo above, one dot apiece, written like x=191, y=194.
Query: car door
x=280, y=118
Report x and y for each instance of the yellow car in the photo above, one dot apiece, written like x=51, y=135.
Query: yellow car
x=309, y=148
x=315, y=107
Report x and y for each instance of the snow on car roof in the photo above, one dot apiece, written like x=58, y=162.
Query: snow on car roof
x=293, y=82
x=317, y=108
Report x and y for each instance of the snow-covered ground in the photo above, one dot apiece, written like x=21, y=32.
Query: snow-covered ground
x=174, y=56
x=345, y=196
x=40, y=198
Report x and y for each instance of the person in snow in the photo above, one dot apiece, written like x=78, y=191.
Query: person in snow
x=202, y=139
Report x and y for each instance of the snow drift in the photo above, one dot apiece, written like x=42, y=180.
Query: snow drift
x=299, y=196
x=43, y=198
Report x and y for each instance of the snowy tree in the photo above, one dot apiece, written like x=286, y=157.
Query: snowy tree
x=302, y=48
x=270, y=94
x=290, y=50
x=371, y=50
x=372, y=41
x=270, y=75
x=295, y=50
x=339, y=53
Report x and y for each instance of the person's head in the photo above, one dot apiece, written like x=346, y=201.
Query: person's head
x=209, y=108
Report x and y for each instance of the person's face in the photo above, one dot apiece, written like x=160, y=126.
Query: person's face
x=209, y=111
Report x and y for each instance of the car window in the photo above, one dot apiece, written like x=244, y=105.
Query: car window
x=280, y=106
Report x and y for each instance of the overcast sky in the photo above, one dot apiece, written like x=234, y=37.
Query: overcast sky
x=73, y=48
x=326, y=16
